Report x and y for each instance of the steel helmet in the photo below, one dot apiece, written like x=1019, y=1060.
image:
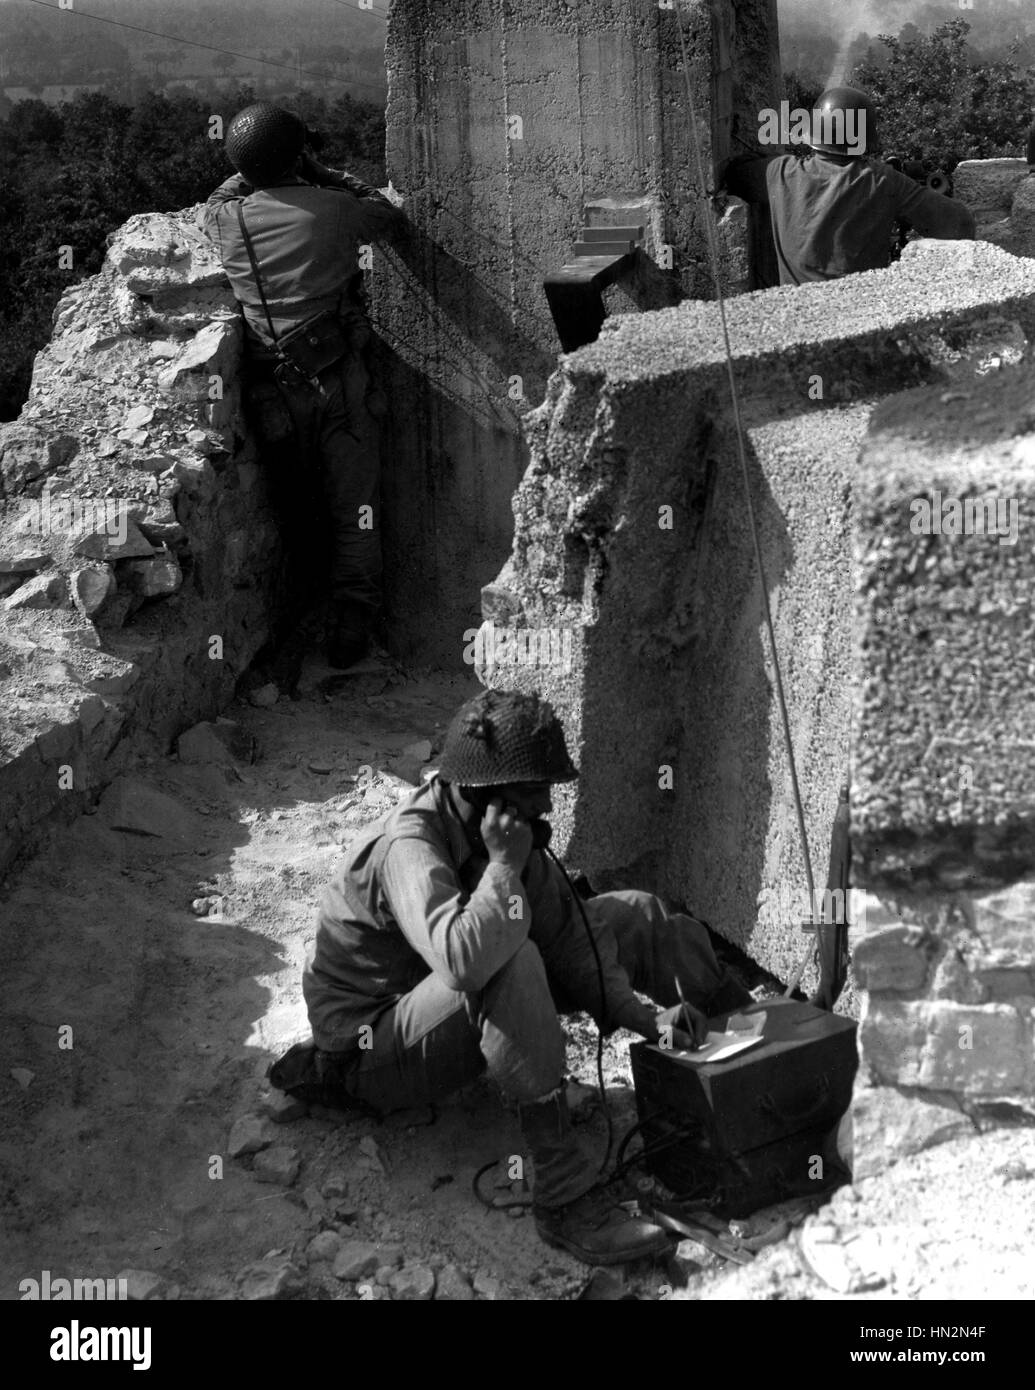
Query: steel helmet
x=844, y=111
x=503, y=736
x=263, y=142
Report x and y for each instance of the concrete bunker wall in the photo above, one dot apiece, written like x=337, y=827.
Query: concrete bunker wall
x=508, y=128
x=632, y=544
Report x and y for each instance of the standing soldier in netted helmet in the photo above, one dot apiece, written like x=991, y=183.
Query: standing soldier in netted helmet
x=833, y=207
x=448, y=941
x=289, y=231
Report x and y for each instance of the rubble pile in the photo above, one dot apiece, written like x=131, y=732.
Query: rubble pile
x=136, y=545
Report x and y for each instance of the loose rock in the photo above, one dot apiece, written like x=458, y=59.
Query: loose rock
x=280, y=1163
x=453, y=1286
x=414, y=1284
x=142, y=1285
x=248, y=1136
x=269, y=1279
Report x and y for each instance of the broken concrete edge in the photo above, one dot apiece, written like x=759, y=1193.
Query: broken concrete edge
x=836, y=329
x=943, y=569
x=122, y=416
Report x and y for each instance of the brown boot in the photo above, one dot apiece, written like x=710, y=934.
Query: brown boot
x=570, y=1211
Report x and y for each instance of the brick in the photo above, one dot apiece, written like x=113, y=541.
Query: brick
x=997, y=1060
x=1004, y=923
x=892, y=1034
x=894, y=957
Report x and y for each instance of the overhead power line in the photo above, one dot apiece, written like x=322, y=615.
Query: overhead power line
x=211, y=48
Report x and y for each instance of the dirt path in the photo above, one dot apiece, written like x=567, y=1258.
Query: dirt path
x=136, y=1032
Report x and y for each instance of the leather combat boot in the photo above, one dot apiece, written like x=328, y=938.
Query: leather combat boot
x=571, y=1212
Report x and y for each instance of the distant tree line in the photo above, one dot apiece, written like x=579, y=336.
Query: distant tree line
x=71, y=174
x=938, y=99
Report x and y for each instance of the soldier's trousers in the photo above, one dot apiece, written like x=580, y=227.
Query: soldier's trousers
x=321, y=456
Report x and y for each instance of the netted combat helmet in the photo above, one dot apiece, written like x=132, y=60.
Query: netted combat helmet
x=844, y=100
x=503, y=736
x=263, y=142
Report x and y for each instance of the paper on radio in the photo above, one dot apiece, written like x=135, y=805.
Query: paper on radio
x=717, y=1047
x=742, y=1032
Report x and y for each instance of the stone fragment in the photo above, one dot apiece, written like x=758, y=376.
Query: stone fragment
x=691, y=1256
x=270, y=1279
x=91, y=587
x=26, y=453
x=23, y=1076
x=414, y=1284
x=984, y=1050
x=280, y=1163
x=323, y=1248
x=1002, y=923
x=115, y=683
x=130, y=804
x=453, y=1286
x=265, y=697
x=249, y=1135
x=852, y=1262
x=282, y=1109
x=140, y=415
x=485, y=1286
x=335, y=1187
x=891, y=958
x=155, y=578
x=222, y=741
x=142, y=1285
x=154, y=463
x=42, y=591
x=195, y=476
x=356, y=1259
x=126, y=542
x=25, y=562
x=91, y=712
x=314, y=1201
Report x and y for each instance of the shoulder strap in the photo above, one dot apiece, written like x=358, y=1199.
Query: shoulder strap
x=255, y=268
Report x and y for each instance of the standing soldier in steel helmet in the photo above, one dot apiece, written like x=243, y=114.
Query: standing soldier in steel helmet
x=289, y=231
x=834, y=208
x=448, y=941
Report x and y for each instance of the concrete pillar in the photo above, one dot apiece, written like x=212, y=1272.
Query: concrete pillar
x=510, y=122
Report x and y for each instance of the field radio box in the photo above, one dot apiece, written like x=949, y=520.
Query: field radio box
x=747, y=1132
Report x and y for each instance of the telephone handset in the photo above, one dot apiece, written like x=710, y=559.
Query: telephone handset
x=542, y=830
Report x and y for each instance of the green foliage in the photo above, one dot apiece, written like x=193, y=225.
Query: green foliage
x=70, y=175
x=939, y=103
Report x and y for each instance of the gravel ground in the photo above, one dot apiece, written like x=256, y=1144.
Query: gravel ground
x=146, y=1141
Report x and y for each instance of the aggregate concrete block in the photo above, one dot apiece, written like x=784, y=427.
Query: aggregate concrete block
x=632, y=537
x=943, y=568
x=987, y=186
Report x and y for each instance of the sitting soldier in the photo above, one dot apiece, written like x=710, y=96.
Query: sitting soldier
x=447, y=942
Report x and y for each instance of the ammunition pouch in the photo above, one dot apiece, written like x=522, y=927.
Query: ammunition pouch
x=311, y=348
